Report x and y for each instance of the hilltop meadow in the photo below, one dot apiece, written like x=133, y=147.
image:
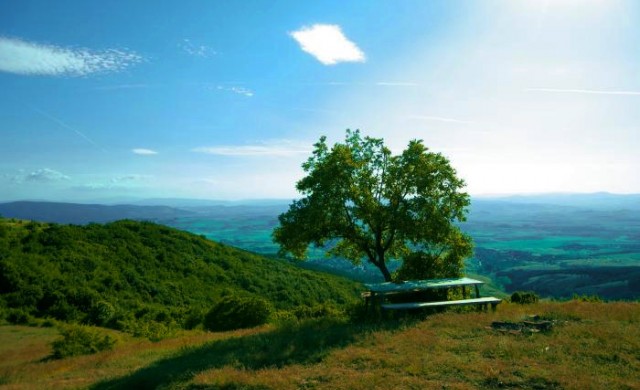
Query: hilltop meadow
x=591, y=346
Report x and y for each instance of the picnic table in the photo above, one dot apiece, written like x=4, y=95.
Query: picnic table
x=378, y=292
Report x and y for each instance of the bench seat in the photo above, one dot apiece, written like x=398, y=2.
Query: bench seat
x=417, y=305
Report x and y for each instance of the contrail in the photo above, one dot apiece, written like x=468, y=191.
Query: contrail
x=66, y=126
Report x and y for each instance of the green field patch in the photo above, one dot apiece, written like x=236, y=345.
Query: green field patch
x=559, y=245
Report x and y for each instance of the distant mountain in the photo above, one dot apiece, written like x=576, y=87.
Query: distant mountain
x=86, y=213
x=191, y=203
x=596, y=200
x=80, y=214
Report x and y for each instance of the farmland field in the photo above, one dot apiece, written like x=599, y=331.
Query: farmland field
x=556, y=250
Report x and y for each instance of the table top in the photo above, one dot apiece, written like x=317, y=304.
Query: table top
x=417, y=285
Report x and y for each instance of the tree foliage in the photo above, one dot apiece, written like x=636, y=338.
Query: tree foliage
x=237, y=312
x=141, y=277
x=362, y=202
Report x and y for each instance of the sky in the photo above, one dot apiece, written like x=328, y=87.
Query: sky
x=224, y=99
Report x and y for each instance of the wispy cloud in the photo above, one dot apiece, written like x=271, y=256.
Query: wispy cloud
x=584, y=91
x=144, y=152
x=328, y=44
x=131, y=178
x=235, y=89
x=396, y=84
x=280, y=148
x=196, y=50
x=45, y=175
x=441, y=119
x=29, y=58
x=123, y=182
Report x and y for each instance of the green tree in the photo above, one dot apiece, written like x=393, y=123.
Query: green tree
x=362, y=202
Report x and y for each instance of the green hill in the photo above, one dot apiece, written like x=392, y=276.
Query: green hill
x=127, y=273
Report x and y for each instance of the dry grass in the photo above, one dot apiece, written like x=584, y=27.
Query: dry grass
x=594, y=345
x=26, y=364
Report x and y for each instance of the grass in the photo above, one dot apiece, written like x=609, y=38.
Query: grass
x=593, y=345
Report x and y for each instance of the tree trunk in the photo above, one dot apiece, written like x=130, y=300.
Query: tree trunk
x=385, y=272
x=379, y=252
x=378, y=261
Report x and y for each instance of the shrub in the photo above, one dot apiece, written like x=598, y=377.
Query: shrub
x=524, y=297
x=101, y=313
x=360, y=312
x=48, y=323
x=422, y=265
x=18, y=317
x=234, y=312
x=587, y=298
x=283, y=318
x=320, y=310
x=80, y=340
x=193, y=319
x=154, y=331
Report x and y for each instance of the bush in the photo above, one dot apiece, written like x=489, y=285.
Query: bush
x=283, y=318
x=18, y=317
x=524, y=297
x=101, y=313
x=320, y=310
x=48, y=323
x=80, y=340
x=234, y=312
x=193, y=319
x=422, y=265
x=587, y=298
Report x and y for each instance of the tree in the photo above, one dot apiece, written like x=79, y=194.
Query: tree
x=362, y=202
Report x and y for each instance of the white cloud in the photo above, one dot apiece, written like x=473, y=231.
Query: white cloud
x=584, y=91
x=239, y=90
x=28, y=58
x=144, y=152
x=123, y=182
x=45, y=175
x=130, y=178
x=281, y=148
x=196, y=50
x=328, y=44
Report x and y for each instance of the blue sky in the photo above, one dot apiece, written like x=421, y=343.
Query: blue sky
x=223, y=100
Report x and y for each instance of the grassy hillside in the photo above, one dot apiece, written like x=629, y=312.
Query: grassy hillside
x=557, y=245
x=128, y=273
x=591, y=346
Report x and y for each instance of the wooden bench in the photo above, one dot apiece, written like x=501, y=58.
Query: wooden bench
x=485, y=301
x=378, y=292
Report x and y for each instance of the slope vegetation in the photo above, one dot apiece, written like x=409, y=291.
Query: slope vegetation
x=126, y=273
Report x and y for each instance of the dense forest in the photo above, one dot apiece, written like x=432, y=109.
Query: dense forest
x=131, y=275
